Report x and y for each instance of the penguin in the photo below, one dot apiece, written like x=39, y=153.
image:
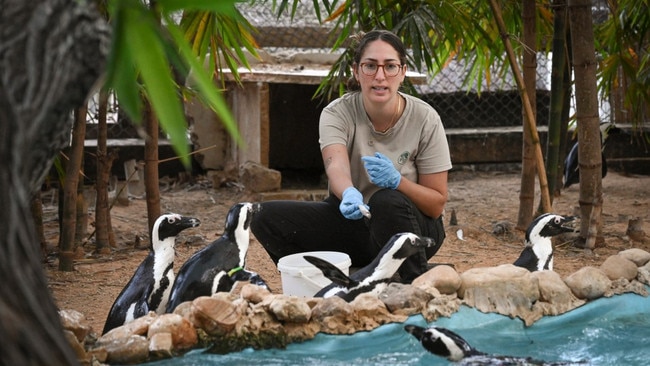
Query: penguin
x=218, y=266
x=572, y=167
x=374, y=277
x=571, y=163
x=149, y=287
x=538, y=251
x=445, y=343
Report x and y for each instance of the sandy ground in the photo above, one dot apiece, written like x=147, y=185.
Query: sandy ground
x=479, y=199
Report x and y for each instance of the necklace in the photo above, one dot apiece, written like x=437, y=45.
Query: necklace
x=395, y=115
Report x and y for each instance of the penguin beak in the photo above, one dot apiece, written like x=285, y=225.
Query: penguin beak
x=424, y=241
x=412, y=244
x=190, y=222
x=416, y=331
x=566, y=225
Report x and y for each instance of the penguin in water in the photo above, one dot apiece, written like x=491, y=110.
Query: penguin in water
x=374, y=277
x=149, y=288
x=538, y=253
x=445, y=343
x=221, y=263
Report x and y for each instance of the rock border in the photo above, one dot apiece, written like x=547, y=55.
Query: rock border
x=256, y=318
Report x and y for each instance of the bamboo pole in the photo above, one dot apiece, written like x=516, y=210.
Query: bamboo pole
x=530, y=116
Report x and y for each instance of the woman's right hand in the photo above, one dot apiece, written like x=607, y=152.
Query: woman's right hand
x=350, y=202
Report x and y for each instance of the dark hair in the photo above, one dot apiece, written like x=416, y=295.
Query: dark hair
x=361, y=41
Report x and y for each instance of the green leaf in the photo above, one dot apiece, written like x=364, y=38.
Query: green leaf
x=205, y=84
x=217, y=6
x=121, y=74
x=148, y=53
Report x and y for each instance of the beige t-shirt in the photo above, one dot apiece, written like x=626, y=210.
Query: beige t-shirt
x=416, y=144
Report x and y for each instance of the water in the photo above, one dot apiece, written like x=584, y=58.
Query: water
x=607, y=331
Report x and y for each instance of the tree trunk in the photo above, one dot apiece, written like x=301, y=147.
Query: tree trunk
x=151, y=182
x=81, y=219
x=567, y=95
x=37, y=214
x=530, y=116
x=528, y=168
x=104, y=164
x=555, y=123
x=36, y=98
x=589, y=148
x=72, y=173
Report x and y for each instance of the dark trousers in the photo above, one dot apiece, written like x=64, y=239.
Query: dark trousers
x=289, y=227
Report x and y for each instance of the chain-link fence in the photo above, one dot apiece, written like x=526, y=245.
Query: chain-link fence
x=459, y=104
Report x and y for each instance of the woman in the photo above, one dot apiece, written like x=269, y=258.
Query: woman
x=384, y=152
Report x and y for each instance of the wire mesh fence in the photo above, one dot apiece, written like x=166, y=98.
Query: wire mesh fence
x=460, y=104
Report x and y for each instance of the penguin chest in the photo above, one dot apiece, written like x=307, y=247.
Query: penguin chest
x=544, y=255
x=163, y=281
x=374, y=288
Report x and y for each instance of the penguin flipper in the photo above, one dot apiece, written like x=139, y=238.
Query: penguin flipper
x=332, y=272
x=527, y=259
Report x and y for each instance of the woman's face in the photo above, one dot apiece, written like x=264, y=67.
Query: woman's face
x=379, y=87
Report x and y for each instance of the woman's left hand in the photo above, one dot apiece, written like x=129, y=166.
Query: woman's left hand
x=381, y=171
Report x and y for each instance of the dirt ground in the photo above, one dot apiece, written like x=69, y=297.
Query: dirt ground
x=479, y=199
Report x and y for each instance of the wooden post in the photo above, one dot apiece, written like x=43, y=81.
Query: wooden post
x=250, y=107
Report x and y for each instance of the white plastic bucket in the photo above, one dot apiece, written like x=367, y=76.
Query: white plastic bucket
x=301, y=278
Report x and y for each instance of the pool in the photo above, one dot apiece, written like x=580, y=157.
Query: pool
x=607, y=331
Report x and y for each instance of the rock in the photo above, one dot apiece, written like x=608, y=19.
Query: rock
x=97, y=354
x=404, y=299
x=588, y=283
x=298, y=332
x=443, y=305
x=371, y=312
x=184, y=309
x=138, y=326
x=161, y=345
x=183, y=333
x=635, y=230
x=555, y=297
x=75, y=322
x=258, y=178
x=443, y=277
x=214, y=315
x=623, y=286
x=506, y=289
x=643, y=274
x=75, y=344
x=257, y=319
x=253, y=293
x=617, y=266
x=133, y=349
x=290, y=309
x=639, y=256
x=335, y=316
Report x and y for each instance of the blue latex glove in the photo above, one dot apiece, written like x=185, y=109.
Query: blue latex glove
x=350, y=202
x=381, y=171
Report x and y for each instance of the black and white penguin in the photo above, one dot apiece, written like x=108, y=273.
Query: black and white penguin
x=571, y=163
x=572, y=167
x=538, y=252
x=149, y=288
x=445, y=343
x=221, y=263
x=374, y=277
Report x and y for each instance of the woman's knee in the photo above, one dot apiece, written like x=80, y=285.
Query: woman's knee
x=388, y=201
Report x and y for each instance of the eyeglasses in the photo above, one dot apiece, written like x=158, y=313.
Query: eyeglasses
x=371, y=68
